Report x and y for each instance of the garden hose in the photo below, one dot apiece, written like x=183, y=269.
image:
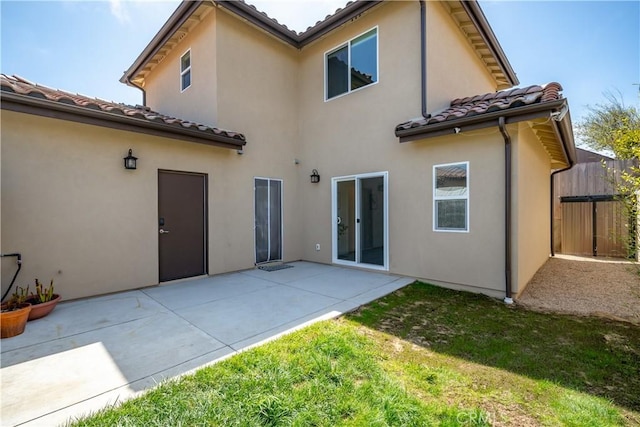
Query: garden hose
x=17, y=271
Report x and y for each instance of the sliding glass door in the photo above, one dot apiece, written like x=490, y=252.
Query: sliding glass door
x=360, y=220
x=268, y=219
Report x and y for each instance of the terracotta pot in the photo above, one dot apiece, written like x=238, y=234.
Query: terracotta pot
x=39, y=310
x=12, y=323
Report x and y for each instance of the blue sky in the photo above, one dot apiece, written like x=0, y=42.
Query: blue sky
x=84, y=46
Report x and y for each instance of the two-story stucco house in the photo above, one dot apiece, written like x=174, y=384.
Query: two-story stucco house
x=388, y=136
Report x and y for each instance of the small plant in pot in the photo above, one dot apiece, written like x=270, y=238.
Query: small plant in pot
x=43, y=301
x=14, y=313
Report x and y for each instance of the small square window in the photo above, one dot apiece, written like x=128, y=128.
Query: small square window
x=352, y=65
x=185, y=70
x=451, y=197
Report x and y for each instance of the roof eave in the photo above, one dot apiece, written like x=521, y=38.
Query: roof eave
x=262, y=21
x=514, y=115
x=42, y=107
x=267, y=24
x=296, y=40
x=566, y=132
x=177, y=18
x=336, y=20
x=480, y=121
x=477, y=16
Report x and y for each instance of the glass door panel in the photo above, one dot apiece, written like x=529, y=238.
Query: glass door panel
x=268, y=219
x=360, y=223
x=371, y=220
x=346, y=220
x=275, y=220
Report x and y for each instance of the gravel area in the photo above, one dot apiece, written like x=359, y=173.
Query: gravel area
x=588, y=286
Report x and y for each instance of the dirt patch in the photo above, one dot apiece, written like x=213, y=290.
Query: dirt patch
x=587, y=286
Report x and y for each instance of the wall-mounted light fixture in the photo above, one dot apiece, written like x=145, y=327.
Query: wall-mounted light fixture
x=130, y=161
x=315, y=177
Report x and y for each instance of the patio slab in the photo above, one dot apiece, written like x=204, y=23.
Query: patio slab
x=235, y=319
x=98, y=351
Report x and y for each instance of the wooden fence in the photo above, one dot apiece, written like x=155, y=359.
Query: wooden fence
x=588, y=218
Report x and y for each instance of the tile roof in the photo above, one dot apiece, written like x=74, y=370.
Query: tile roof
x=20, y=86
x=542, y=107
x=300, y=33
x=326, y=18
x=275, y=21
x=462, y=108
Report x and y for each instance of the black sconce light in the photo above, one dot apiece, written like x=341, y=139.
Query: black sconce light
x=315, y=178
x=130, y=161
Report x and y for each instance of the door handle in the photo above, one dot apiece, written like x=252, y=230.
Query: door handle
x=163, y=231
x=339, y=220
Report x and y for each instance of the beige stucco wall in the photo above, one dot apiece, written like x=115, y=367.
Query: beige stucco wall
x=246, y=81
x=79, y=217
x=199, y=101
x=257, y=93
x=97, y=223
x=353, y=134
x=454, y=69
x=531, y=205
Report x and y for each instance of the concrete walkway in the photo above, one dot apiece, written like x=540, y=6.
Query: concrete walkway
x=99, y=351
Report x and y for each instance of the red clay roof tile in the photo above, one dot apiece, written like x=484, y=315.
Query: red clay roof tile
x=487, y=103
x=21, y=86
x=270, y=18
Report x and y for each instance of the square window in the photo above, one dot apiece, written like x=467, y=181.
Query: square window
x=451, y=197
x=185, y=70
x=352, y=65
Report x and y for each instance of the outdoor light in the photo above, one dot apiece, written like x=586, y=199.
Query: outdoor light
x=315, y=178
x=130, y=161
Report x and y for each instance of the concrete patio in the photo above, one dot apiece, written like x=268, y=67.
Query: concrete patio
x=99, y=351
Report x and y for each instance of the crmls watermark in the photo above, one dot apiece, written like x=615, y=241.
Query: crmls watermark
x=474, y=418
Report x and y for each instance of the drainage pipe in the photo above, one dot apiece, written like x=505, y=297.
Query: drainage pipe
x=552, y=193
x=553, y=199
x=508, y=299
x=144, y=92
x=17, y=255
x=423, y=58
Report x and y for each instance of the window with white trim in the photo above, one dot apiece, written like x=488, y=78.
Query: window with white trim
x=451, y=197
x=185, y=70
x=352, y=65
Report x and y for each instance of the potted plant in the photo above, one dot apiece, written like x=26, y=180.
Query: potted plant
x=43, y=301
x=14, y=314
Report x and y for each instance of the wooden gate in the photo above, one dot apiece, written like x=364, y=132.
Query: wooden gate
x=588, y=218
x=594, y=227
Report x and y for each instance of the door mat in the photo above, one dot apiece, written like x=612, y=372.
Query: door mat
x=274, y=267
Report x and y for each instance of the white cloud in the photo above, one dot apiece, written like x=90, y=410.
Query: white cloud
x=119, y=11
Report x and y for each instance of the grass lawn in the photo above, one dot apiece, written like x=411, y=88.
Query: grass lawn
x=420, y=356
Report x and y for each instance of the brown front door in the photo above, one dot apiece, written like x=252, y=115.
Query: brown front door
x=182, y=225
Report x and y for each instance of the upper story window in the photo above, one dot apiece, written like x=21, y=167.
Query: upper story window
x=451, y=197
x=185, y=70
x=352, y=65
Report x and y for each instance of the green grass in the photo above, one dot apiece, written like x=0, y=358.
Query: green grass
x=421, y=356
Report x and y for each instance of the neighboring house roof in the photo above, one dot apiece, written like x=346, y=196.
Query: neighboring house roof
x=18, y=94
x=543, y=106
x=467, y=15
x=586, y=156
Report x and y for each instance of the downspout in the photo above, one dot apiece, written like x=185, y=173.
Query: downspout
x=144, y=92
x=552, y=193
x=508, y=299
x=553, y=198
x=423, y=58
